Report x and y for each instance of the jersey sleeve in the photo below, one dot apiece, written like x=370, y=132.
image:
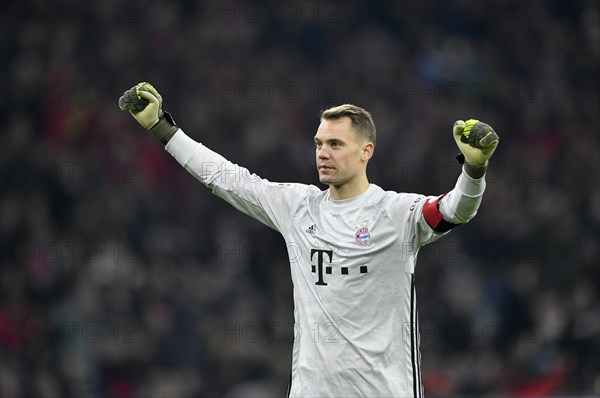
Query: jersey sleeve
x=268, y=202
x=427, y=218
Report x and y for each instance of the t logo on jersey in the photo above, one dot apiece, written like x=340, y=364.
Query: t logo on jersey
x=328, y=269
x=320, y=263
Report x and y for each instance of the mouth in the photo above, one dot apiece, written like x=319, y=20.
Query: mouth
x=325, y=167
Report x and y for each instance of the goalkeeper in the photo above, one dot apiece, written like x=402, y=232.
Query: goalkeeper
x=352, y=247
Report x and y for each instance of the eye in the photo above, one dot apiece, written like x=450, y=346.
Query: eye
x=335, y=145
x=318, y=145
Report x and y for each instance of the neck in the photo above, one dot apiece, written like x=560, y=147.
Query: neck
x=350, y=189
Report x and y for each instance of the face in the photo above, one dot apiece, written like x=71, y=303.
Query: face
x=341, y=156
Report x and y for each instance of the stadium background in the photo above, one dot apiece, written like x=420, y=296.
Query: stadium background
x=121, y=276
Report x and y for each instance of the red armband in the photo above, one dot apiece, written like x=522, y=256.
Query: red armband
x=435, y=218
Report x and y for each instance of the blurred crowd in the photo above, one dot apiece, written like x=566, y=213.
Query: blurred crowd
x=122, y=276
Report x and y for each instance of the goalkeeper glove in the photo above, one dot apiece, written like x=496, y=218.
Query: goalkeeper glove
x=477, y=141
x=145, y=105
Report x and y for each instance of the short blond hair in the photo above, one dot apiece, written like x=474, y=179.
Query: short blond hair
x=362, y=121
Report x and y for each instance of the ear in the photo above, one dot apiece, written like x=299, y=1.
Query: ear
x=367, y=151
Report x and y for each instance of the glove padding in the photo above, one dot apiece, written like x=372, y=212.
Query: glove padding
x=132, y=102
x=476, y=140
x=145, y=105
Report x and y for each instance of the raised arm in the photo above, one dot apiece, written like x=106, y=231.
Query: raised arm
x=477, y=142
x=268, y=202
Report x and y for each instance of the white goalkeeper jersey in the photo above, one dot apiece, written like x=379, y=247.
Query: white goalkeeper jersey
x=352, y=265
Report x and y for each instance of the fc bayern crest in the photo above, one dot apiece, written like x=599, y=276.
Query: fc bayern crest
x=363, y=237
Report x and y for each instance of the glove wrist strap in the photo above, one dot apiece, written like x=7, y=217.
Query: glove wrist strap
x=475, y=171
x=472, y=170
x=164, y=129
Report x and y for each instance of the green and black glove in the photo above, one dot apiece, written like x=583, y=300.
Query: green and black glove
x=145, y=105
x=477, y=141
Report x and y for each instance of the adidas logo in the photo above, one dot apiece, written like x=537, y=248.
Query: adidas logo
x=312, y=229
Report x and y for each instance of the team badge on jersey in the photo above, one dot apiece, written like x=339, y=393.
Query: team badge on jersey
x=362, y=234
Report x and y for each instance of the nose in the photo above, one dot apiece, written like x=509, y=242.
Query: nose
x=322, y=153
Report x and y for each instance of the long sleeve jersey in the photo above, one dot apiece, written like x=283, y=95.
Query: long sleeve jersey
x=352, y=267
